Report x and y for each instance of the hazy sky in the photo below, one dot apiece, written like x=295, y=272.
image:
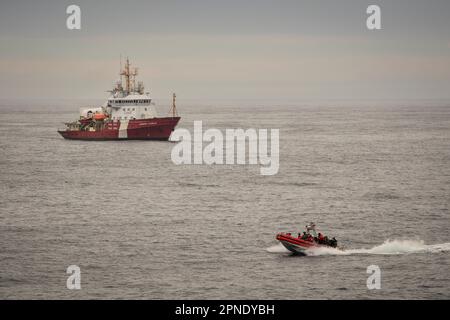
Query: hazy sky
x=228, y=49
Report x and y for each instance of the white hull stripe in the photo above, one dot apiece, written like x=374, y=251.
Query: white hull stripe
x=123, y=129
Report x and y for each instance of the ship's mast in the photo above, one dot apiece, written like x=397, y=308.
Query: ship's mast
x=127, y=74
x=134, y=74
x=174, y=107
x=120, y=70
x=130, y=79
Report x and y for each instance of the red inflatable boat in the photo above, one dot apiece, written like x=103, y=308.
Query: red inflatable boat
x=299, y=245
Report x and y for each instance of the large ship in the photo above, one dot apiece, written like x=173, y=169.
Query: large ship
x=128, y=114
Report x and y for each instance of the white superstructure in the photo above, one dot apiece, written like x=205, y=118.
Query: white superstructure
x=131, y=107
x=131, y=102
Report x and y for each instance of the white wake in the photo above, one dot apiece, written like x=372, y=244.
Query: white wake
x=388, y=247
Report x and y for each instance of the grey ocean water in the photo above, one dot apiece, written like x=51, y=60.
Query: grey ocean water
x=141, y=227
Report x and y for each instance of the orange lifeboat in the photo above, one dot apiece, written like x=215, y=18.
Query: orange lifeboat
x=100, y=116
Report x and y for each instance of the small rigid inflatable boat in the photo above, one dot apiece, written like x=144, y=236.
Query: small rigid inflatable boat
x=294, y=244
x=298, y=245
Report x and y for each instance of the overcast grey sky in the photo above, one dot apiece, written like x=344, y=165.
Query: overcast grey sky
x=228, y=49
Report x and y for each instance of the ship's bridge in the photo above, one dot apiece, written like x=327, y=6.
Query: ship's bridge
x=133, y=106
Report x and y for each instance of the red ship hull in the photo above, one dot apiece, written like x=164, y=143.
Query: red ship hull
x=144, y=129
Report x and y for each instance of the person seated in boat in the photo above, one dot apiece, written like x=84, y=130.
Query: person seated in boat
x=320, y=238
x=311, y=229
x=304, y=236
x=310, y=238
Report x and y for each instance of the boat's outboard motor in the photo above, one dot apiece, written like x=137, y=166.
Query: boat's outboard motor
x=333, y=242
